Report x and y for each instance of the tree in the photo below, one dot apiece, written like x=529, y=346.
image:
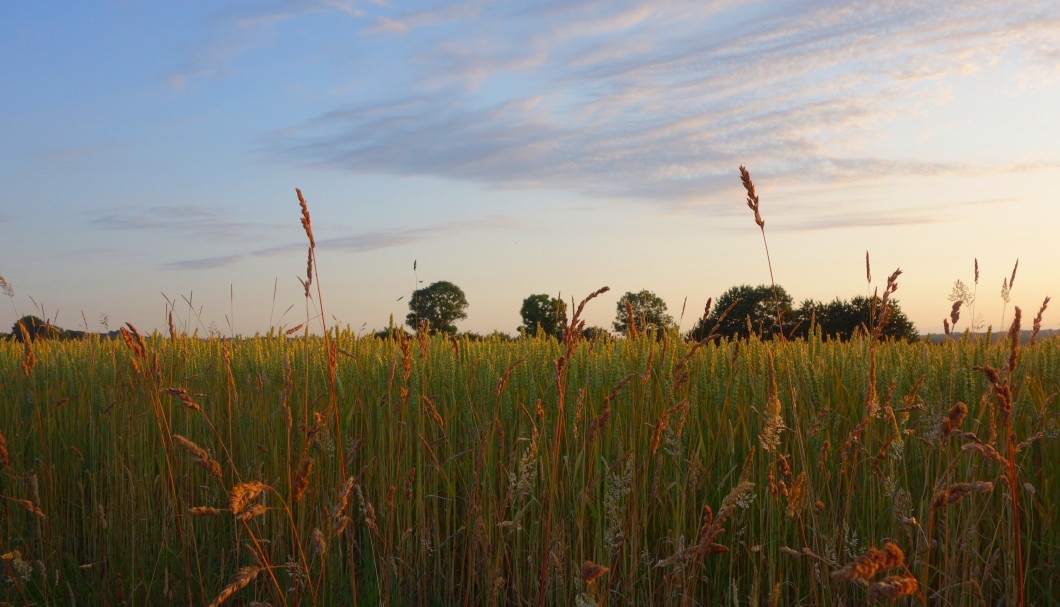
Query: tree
x=35, y=327
x=754, y=309
x=843, y=320
x=649, y=313
x=440, y=304
x=543, y=314
x=596, y=334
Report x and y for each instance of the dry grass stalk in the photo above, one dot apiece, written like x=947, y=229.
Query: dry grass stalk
x=428, y=404
x=206, y=511
x=5, y=455
x=712, y=529
x=134, y=340
x=252, y=512
x=983, y=449
x=202, y=456
x=307, y=223
x=754, y=204
x=242, y=579
x=1014, y=340
x=664, y=423
x=576, y=324
x=893, y=587
x=503, y=383
x=244, y=493
x=410, y=481
x=605, y=415
x=28, y=505
x=319, y=544
x=752, y=196
x=308, y=282
x=738, y=496
x=29, y=357
x=958, y=491
x=1037, y=326
x=868, y=269
x=769, y=439
x=952, y=422
x=6, y=287
x=344, y=498
x=955, y=315
x=301, y=479
x=883, y=315
x=631, y=318
x=591, y=572
x=871, y=563
x=367, y=510
x=185, y=398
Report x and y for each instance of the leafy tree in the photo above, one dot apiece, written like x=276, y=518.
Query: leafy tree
x=543, y=314
x=390, y=333
x=440, y=304
x=596, y=333
x=35, y=327
x=754, y=309
x=649, y=313
x=842, y=319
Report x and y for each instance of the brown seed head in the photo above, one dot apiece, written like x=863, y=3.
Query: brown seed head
x=5, y=456
x=955, y=312
x=1014, y=340
x=591, y=572
x=306, y=221
x=752, y=197
x=244, y=493
x=301, y=480
x=953, y=420
x=242, y=579
x=958, y=491
x=1038, y=321
x=872, y=562
x=893, y=587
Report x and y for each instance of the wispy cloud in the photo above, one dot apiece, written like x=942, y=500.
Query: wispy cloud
x=233, y=32
x=189, y=220
x=358, y=243
x=661, y=101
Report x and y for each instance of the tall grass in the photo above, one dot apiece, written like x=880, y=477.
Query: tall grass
x=473, y=478
x=343, y=470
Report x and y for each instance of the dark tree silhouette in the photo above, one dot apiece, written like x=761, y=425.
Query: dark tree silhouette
x=753, y=310
x=843, y=319
x=649, y=313
x=440, y=304
x=35, y=328
x=543, y=315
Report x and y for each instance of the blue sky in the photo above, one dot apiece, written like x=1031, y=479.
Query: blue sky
x=152, y=151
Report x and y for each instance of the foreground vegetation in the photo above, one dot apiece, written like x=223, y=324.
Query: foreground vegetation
x=345, y=470
x=429, y=470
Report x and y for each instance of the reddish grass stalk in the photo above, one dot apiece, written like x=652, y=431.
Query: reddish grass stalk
x=1003, y=395
x=573, y=336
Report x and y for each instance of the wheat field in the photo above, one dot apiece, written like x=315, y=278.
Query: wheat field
x=344, y=470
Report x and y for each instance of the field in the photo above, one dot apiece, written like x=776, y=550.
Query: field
x=344, y=470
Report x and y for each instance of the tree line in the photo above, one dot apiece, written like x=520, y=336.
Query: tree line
x=738, y=313
x=741, y=311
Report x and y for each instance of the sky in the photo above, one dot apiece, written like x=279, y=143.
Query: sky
x=152, y=150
